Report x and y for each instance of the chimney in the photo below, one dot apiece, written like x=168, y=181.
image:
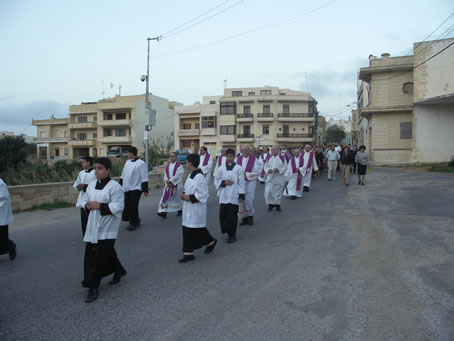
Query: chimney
x=385, y=55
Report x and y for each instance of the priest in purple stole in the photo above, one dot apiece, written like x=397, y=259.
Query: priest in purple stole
x=275, y=169
x=252, y=170
x=311, y=165
x=220, y=160
x=206, y=162
x=263, y=158
x=296, y=170
x=170, y=200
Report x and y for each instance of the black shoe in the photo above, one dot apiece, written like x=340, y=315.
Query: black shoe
x=244, y=221
x=346, y=184
x=92, y=295
x=250, y=220
x=278, y=208
x=306, y=189
x=329, y=179
x=210, y=248
x=270, y=207
x=232, y=239
x=359, y=182
x=180, y=213
x=186, y=258
x=117, y=277
x=293, y=197
x=162, y=214
x=13, y=252
x=362, y=183
x=131, y=228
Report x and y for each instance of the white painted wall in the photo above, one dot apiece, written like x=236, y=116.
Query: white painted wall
x=434, y=130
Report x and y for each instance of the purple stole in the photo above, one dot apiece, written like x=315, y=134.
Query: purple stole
x=262, y=174
x=170, y=191
x=205, y=160
x=309, y=163
x=249, y=166
x=219, y=161
x=300, y=177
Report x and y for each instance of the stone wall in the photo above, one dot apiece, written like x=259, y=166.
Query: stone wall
x=27, y=196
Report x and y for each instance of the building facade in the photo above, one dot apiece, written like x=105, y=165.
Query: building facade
x=260, y=117
x=52, y=138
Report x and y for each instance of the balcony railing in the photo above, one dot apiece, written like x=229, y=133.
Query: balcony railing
x=188, y=132
x=265, y=114
x=245, y=136
x=295, y=135
x=51, y=139
x=244, y=115
x=293, y=114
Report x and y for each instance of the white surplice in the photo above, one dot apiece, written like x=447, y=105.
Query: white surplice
x=174, y=203
x=6, y=215
x=275, y=182
x=84, y=178
x=247, y=206
x=308, y=176
x=195, y=210
x=223, y=159
x=134, y=173
x=206, y=169
x=292, y=178
x=262, y=160
x=230, y=194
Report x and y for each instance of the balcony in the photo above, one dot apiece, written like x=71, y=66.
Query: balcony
x=245, y=137
x=227, y=138
x=51, y=139
x=115, y=123
x=115, y=139
x=265, y=117
x=189, y=132
x=295, y=137
x=295, y=117
x=245, y=117
x=85, y=125
x=77, y=143
x=208, y=131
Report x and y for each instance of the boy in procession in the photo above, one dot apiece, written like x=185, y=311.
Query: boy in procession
x=6, y=218
x=311, y=165
x=230, y=183
x=195, y=195
x=295, y=175
x=264, y=156
x=104, y=201
x=251, y=172
x=206, y=162
x=170, y=200
x=134, y=179
x=275, y=169
x=86, y=175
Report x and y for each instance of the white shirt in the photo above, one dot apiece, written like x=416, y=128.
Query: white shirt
x=195, y=214
x=84, y=178
x=6, y=215
x=100, y=227
x=332, y=155
x=275, y=162
x=206, y=169
x=256, y=169
x=230, y=194
x=134, y=174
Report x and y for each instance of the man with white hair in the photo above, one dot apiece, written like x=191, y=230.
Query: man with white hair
x=265, y=155
x=311, y=165
x=295, y=174
x=251, y=172
x=275, y=169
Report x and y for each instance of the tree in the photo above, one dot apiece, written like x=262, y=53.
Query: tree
x=13, y=151
x=335, y=133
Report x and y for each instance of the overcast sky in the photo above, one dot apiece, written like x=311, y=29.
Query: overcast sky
x=57, y=53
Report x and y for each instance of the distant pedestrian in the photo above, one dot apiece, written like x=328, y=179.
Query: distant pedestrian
x=332, y=156
x=86, y=175
x=6, y=218
x=353, y=154
x=346, y=162
x=362, y=159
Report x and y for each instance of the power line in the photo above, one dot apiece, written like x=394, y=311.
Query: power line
x=279, y=22
x=203, y=20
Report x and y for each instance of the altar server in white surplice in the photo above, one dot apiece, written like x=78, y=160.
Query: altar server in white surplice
x=86, y=175
x=296, y=169
x=275, y=169
x=170, y=200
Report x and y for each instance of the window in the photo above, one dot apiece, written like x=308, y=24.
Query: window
x=251, y=93
x=407, y=88
x=228, y=130
x=95, y=135
x=121, y=116
x=265, y=92
x=65, y=151
x=209, y=122
x=406, y=130
x=197, y=126
x=81, y=136
x=311, y=107
x=247, y=109
x=237, y=93
x=246, y=130
x=95, y=118
x=266, y=130
x=228, y=108
x=186, y=126
x=266, y=109
x=43, y=134
x=212, y=102
x=65, y=134
x=286, y=109
x=120, y=132
x=186, y=143
x=107, y=132
x=285, y=130
x=108, y=116
x=82, y=119
x=282, y=94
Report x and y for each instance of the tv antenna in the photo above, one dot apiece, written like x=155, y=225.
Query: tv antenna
x=119, y=88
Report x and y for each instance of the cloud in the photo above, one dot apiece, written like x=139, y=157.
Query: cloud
x=14, y=116
x=325, y=84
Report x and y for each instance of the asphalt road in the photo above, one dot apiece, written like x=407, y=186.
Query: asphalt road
x=372, y=262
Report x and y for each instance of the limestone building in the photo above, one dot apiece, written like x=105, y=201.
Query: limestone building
x=52, y=138
x=257, y=116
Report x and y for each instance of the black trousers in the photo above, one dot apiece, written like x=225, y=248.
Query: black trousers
x=84, y=220
x=5, y=243
x=100, y=260
x=228, y=218
x=354, y=167
x=131, y=209
x=195, y=238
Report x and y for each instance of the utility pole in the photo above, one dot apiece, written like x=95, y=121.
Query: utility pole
x=147, y=103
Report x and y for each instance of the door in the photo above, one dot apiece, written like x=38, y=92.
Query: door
x=285, y=130
x=196, y=146
x=246, y=130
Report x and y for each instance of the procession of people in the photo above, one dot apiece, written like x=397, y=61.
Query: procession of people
x=104, y=202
